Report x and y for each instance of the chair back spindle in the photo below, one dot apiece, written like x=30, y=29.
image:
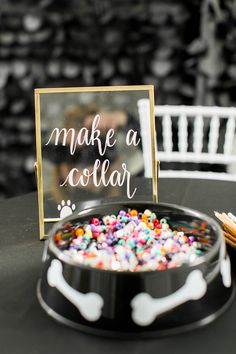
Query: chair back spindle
x=183, y=133
x=214, y=135
x=229, y=135
x=167, y=133
x=198, y=134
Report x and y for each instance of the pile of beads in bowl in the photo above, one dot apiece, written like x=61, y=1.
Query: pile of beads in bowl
x=132, y=241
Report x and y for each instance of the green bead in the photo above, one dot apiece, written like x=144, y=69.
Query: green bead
x=121, y=242
x=131, y=243
x=163, y=221
x=66, y=235
x=86, y=237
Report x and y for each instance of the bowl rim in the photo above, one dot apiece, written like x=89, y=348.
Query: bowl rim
x=192, y=212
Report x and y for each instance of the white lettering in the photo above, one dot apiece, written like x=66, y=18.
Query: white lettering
x=131, y=138
x=116, y=178
x=84, y=137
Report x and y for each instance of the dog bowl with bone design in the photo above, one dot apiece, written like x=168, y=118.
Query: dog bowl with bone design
x=141, y=303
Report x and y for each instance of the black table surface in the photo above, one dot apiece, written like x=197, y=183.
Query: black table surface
x=25, y=327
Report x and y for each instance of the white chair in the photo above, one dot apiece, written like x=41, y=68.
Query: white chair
x=214, y=125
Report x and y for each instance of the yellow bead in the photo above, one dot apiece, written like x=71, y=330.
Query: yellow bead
x=79, y=232
x=150, y=225
x=163, y=250
x=134, y=212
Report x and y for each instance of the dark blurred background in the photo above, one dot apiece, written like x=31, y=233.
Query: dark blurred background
x=185, y=48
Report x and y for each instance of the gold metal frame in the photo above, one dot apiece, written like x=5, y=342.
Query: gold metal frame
x=38, y=165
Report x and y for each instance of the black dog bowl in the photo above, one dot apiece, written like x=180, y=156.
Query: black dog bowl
x=143, y=303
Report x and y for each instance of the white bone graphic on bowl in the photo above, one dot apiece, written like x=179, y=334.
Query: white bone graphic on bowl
x=225, y=270
x=225, y=266
x=146, y=308
x=89, y=305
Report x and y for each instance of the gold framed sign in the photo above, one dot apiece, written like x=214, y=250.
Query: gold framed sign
x=93, y=143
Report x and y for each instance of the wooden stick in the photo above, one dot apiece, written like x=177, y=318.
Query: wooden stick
x=224, y=218
x=219, y=216
x=232, y=217
x=229, y=236
x=230, y=242
x=229, y=229
x=227, y=222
